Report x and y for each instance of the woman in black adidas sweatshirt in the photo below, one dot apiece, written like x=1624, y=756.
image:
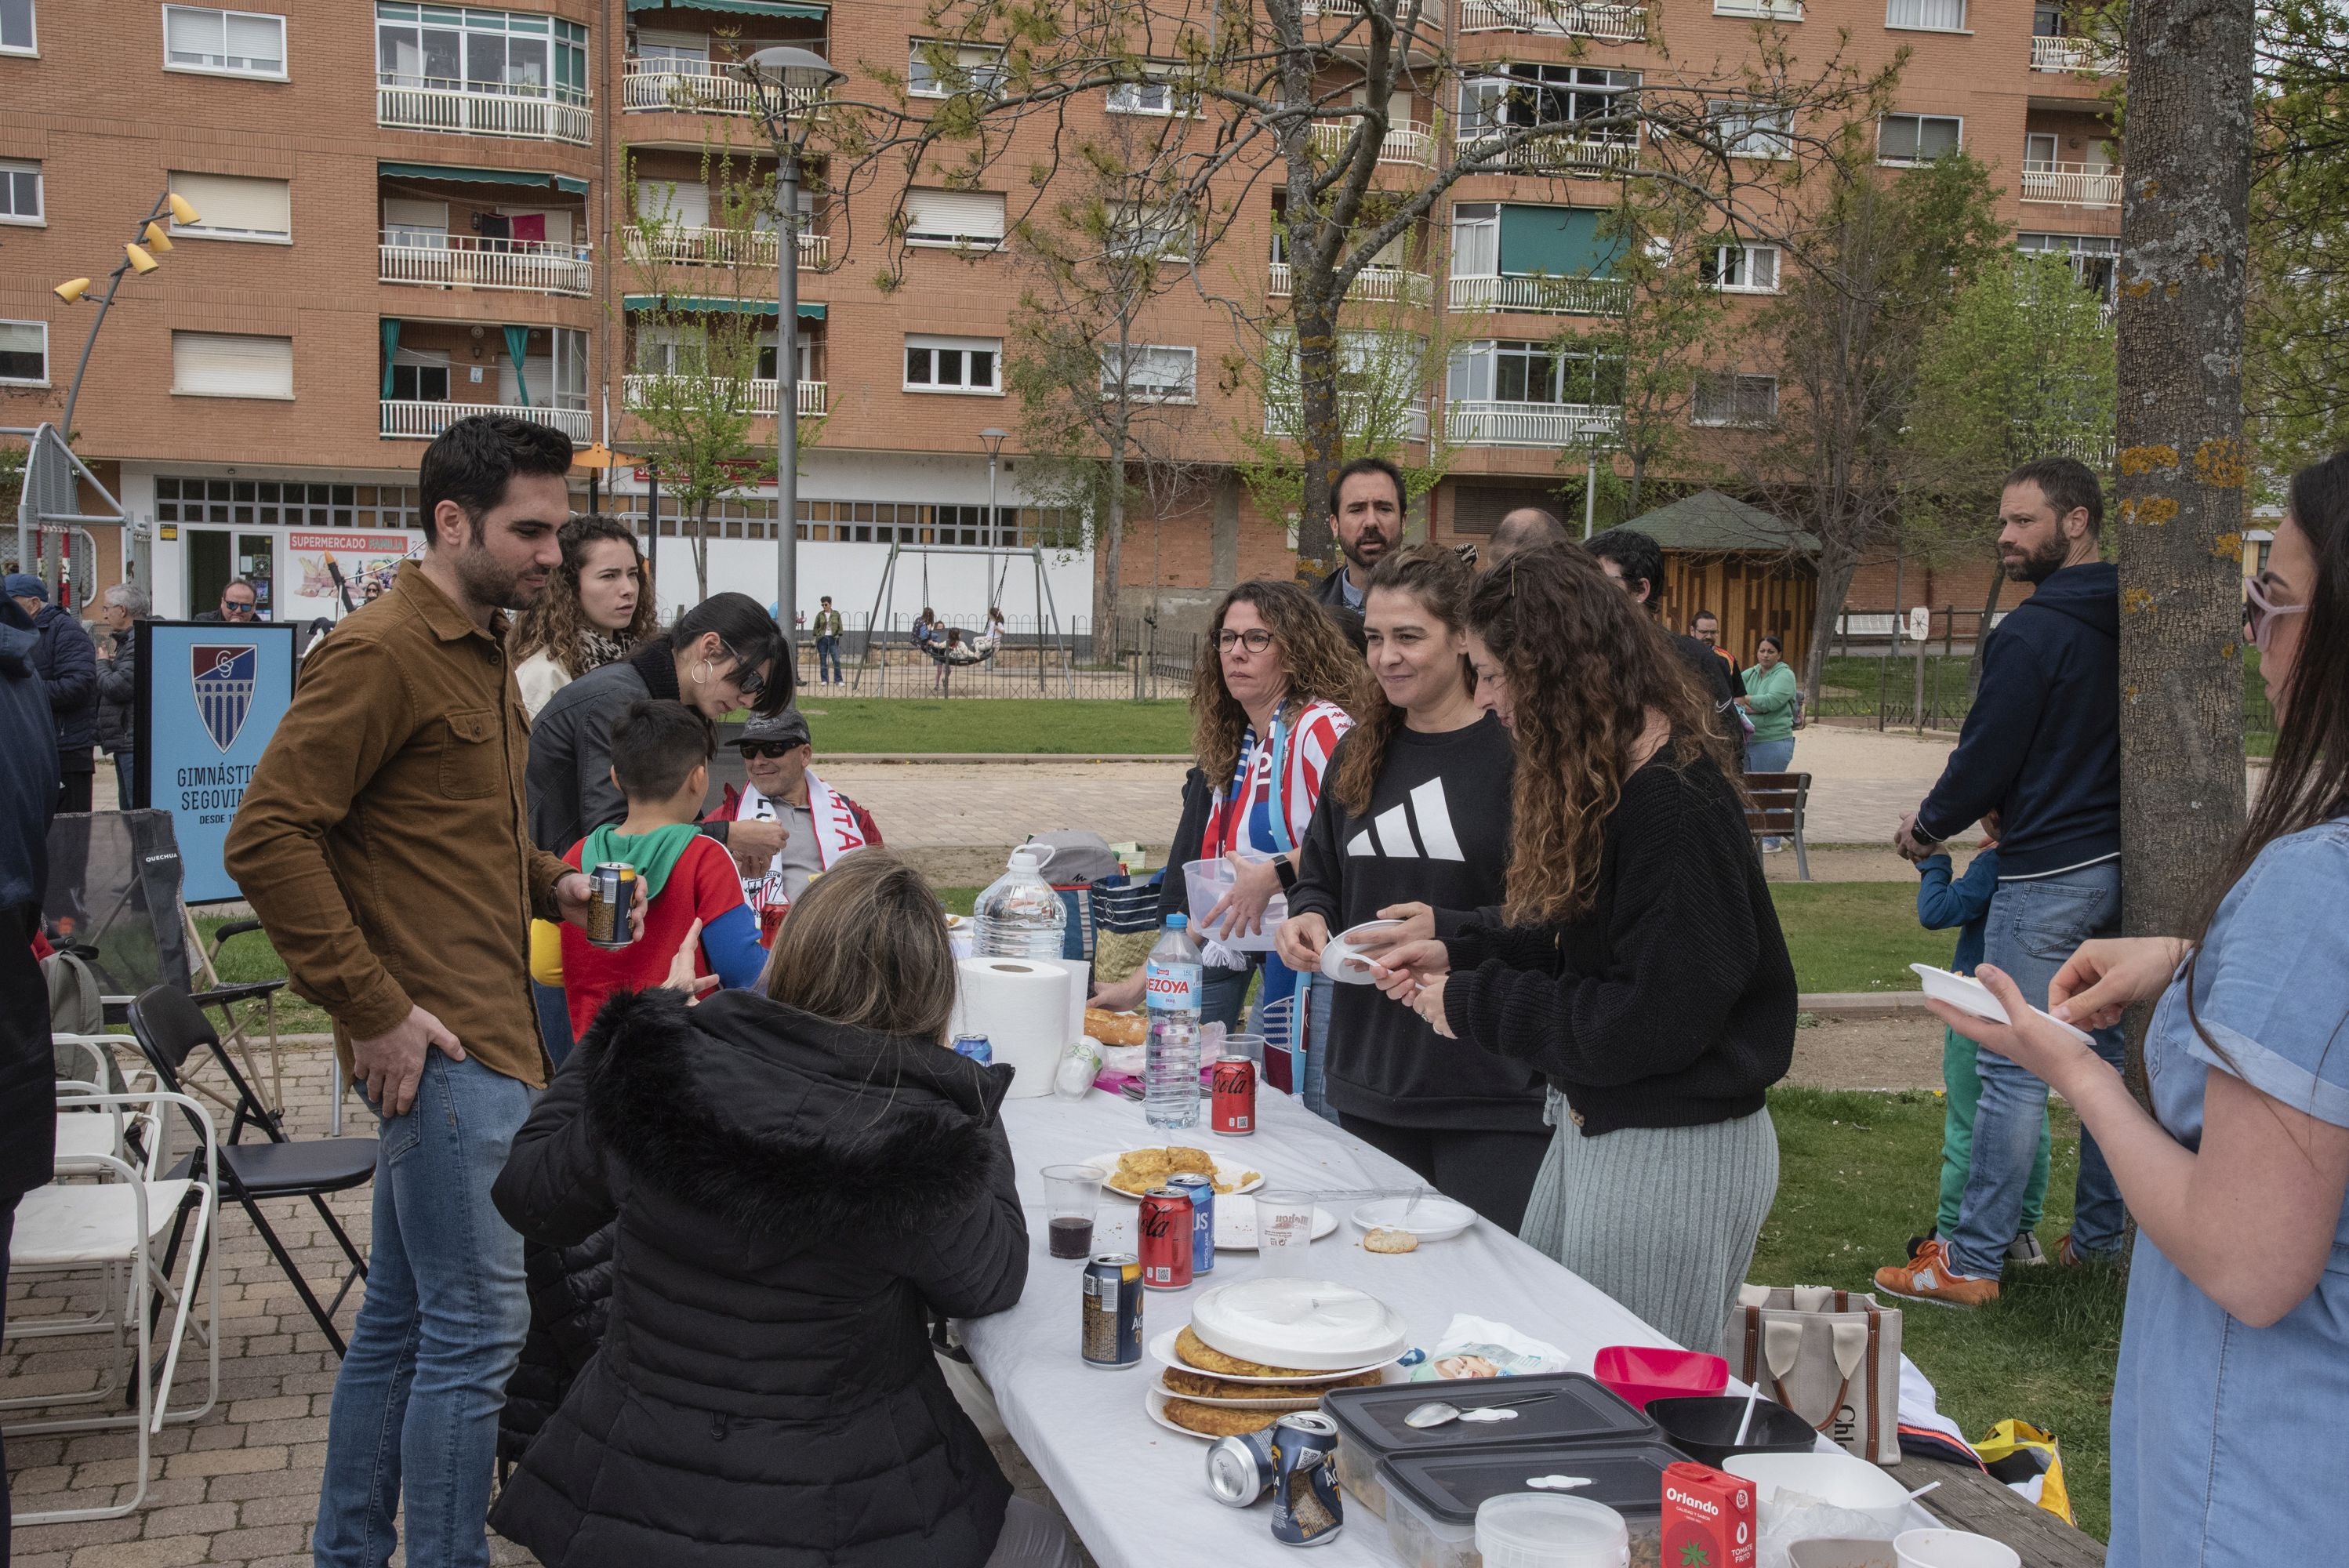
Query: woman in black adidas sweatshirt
x=1637, y=960
x=1414, y=825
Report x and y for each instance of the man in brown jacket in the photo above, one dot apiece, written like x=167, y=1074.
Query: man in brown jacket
x=385, y=845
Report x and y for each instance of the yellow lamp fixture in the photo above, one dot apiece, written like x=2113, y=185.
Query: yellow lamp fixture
x=72, y=289
x=154, y=239
x=141, y=262
x=182, y=213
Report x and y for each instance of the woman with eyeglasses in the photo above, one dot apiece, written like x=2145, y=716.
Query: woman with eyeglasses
x=2227, y=1406
x=596, y=610
x=1276, y=684
x=1636, y=961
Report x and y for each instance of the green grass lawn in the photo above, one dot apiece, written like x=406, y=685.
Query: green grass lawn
x=1857, y=936
x=846, y=726
x=1857, y=1176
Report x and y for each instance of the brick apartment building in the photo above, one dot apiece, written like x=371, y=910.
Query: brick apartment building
x=407, y=211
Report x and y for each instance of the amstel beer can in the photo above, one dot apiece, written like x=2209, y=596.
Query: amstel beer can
x=612, y=890
x=1112, y=1323
x=1306, y=1511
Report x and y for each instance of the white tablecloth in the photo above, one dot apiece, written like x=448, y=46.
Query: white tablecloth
x=1136, y=1492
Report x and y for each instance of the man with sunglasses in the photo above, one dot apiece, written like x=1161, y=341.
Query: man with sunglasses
x=240, y=602
x=2041, y=748
x=820, y=824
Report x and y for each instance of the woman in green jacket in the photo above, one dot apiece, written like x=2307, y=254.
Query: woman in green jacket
x=1769, y=702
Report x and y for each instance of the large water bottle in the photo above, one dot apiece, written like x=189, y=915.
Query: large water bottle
x=1173, y=982
x=1020, y=915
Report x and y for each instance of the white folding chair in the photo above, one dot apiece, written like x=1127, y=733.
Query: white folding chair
x=114, y=1215
x=83, y=1129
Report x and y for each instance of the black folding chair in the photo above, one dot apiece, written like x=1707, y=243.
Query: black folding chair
x=171, y=1027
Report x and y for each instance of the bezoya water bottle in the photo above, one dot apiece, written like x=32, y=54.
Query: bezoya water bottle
x=1173, y=982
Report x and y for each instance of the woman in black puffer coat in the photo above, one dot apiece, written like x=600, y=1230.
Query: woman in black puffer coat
x=800, y=1180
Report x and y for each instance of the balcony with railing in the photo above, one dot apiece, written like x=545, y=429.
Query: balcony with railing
x=1760, y=10
x=1541, y=295
x=1406, y=141
x=1556, y=18
x=1356, y=413
x=1496, y=424
x=668, y=85
x=420, y=421
x=518, y=110
x=2072, y=184
x=687, y=245
x=1430, y=12
x=2079, y=56
x=1554, y=154
x=764, y=396
x=471, y=261
x=1371, y=286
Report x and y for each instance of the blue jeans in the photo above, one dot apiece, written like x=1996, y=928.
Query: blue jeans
x=554, y=1021
x=827, y=659
x=416, y=1404
x=126, y=764
x=2033, y=927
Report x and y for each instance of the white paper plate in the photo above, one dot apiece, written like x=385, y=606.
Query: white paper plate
x=1153, y=1399
x=1162, y=1350
x=1235, y=1224
x=1226, y=1170
x=1969, y=994
x=1338, y=960
x=1437, y=1218
x=1277, y=1404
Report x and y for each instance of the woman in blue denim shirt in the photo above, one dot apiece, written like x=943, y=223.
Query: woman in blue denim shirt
x=2231, y=1408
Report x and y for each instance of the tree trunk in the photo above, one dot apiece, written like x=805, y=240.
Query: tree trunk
x=2185, y=211
x=1113, y=524
x=1639, y=479
x=701, y=552
x=1835, y=586
x=1321, y=433
x=1981, y=630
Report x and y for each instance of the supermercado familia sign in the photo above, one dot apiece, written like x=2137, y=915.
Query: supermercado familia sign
x=209, y=696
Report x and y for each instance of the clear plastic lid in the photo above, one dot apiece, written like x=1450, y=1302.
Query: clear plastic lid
x=1539, y=1529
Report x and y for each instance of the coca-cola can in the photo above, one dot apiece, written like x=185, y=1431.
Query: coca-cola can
x=1234, y=1112
x=1306, y=1510
x=1165, y=1229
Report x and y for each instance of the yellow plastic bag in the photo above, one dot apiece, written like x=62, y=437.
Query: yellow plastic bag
x=2030, y=1449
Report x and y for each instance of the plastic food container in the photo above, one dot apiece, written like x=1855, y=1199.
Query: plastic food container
x=1371, y=1427
x=1207, y=882
x=1434, y=1501
x=1536, y=1530
x=1643, y=1372
x=1838, y=1478
x=1704, y=1429
x=1826, y=1552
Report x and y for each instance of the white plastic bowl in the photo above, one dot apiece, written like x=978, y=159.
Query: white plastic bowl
x=1340, y=961
x=1838, y=1478
x=1207, y=882
x=1437, y=1218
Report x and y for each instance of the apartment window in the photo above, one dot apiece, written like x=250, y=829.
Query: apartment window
x=235, y=207
x=1917, y=137
x=1767, y=10
x=1742, y=269
x=1927, y=16
x=1545, y=95
x=973, y=219
x=1153, y=373
x=270, y=503
x=1747, y=401
x=940, y=69
x=20, y=191
x=1136, y=230
x=225, y=43
x=1151, y=97
x=2096, y=258
x=675, y=202
x=24, y=353
x=1510, y=240
x=954, y=364
x=420, y=376
x=227, y=365
x=1753, y=130
x=1511, y=371
x=509, y=52
x=16, y=36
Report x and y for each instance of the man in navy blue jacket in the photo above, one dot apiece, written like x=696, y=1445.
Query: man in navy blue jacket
x=2041, y=748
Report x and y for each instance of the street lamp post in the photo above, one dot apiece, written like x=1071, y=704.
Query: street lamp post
x=775, y=75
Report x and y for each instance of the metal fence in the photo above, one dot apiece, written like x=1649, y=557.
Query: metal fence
x=1129, y=659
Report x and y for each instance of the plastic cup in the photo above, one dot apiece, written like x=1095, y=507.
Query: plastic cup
x=1951, y=1549
x=1249, y=1046
x=1071, y=1202
x=1284, y=1229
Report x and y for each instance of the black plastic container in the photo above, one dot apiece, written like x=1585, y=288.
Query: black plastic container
x=1434, y=1498
x=1371, y=1426
x=1705, y=1429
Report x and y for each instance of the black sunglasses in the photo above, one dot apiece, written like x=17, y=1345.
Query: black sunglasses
x=768, y=748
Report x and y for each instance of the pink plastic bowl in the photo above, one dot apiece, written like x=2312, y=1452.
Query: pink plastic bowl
x=1639, y=1373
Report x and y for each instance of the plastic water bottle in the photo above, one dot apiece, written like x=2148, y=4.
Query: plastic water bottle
x=1020, y=915
x=1173, y=982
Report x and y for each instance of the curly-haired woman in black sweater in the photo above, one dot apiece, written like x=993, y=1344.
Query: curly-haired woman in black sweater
x=1638, y=961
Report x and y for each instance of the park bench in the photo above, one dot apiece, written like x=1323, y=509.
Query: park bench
x=1775, y=805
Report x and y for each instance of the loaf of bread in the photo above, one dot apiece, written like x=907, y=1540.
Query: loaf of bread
x=1116, y=1029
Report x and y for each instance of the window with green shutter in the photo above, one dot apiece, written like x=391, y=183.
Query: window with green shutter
x=1557, y=242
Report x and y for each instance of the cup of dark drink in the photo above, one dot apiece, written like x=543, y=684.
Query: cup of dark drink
x=1071, y=1199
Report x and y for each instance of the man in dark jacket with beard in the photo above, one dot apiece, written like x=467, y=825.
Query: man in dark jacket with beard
x=2042, y=747
x=1366, y=512
x=66, y=662
x=28, y=791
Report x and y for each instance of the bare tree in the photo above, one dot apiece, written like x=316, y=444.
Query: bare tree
x=2183, y=468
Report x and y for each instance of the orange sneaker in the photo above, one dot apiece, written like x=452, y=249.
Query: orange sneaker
x=1927, y=1277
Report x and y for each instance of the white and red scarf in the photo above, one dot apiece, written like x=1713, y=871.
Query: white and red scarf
x=1305, y=740
x=837, y=830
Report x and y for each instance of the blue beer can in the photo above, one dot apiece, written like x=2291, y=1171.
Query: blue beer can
x=976, y=1048
x=1201, y=1192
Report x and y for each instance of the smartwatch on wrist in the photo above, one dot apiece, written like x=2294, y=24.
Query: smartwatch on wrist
x=1285, y=870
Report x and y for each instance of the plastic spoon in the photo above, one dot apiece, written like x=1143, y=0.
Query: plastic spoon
x=1436, y=1413
x=1753, y=1396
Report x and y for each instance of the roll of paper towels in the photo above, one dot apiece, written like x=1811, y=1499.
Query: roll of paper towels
x=1022, y=1006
